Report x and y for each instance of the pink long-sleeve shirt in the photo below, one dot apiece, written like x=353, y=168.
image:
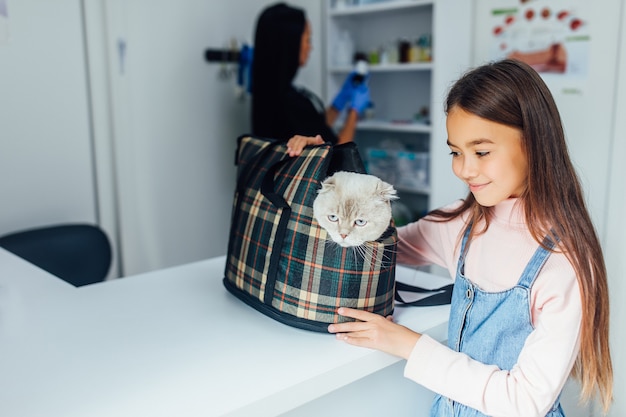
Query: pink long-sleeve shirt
x=495, y=262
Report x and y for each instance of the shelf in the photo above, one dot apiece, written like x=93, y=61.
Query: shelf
x=410, y=66
x=393, y=127
x=381, y=6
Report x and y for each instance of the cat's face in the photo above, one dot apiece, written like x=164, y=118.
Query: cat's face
x=354, y=208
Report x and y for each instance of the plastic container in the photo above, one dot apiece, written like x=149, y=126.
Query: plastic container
x=412, y=170
x=403, y=169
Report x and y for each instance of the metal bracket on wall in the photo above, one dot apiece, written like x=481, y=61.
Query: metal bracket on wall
x=242, y=60
x=221, y=55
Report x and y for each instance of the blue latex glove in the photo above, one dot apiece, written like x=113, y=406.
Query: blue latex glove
x=345, y=94
x=360, y=98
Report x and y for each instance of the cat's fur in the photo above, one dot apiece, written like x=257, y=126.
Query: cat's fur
x=354, y=208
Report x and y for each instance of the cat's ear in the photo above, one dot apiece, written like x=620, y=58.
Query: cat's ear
x=386, y=191
x=327, y=185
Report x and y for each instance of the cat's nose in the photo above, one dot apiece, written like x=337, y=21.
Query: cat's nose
x=343, y=236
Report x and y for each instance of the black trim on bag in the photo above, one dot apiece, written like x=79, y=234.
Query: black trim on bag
x=242, y=180
x=268, y=191
x=345, y=157
x=281, y=230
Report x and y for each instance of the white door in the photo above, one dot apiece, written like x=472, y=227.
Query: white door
x=176, y=123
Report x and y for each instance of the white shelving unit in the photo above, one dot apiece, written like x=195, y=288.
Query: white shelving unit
x=362, y=8
x=401, y=91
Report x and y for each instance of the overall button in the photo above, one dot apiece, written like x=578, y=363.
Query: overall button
x=469, y=293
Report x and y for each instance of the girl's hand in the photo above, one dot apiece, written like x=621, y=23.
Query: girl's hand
x=297, y=143
x=376, y=332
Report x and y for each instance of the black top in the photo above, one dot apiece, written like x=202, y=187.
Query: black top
x=279, y=110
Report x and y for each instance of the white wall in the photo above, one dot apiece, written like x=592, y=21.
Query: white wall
x=615, y=241
x=46, y=170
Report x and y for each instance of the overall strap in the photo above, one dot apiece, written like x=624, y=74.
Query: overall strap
x=537, y=261
x=460, y=268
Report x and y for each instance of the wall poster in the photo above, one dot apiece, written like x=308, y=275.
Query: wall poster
x=553, y=36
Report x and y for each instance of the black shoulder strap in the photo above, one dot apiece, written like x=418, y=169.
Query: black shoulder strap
x=440, y=296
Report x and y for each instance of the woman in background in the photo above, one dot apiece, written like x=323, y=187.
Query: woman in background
x=280, y=110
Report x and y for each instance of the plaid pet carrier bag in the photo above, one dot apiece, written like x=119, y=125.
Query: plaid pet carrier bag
x=279, y=261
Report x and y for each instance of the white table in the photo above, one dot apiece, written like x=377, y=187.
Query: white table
x=172, y=342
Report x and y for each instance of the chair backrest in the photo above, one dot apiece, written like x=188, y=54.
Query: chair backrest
x=77, y=253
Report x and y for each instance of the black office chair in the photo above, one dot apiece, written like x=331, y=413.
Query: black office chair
x=77, y=253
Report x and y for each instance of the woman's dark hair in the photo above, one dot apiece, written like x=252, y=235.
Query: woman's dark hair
x=511, y=93
x=276, y=60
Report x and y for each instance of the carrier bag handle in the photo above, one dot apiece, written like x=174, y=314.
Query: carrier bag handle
x=443, y=295
x=267, y=184
x=244, y=176
x=268, y=190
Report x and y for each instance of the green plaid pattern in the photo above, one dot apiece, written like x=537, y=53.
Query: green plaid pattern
x=280, y=260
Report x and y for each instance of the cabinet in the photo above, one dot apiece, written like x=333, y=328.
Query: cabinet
x=403, y=139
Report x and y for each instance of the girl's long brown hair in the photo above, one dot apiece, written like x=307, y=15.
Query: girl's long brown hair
x=512, y=93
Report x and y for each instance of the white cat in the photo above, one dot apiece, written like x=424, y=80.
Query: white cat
x=354, y=208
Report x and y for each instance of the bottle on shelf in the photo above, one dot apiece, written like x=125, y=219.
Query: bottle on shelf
x=344, y=49
x=361, y=69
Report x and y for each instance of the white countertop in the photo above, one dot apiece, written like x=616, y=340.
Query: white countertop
x=172, y=342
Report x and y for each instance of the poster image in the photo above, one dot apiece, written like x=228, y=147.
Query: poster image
x=549, y=35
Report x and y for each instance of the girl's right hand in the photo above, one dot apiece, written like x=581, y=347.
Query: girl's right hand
x=296, y=144
x=375, y=332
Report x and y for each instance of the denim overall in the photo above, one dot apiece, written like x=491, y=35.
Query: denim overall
x=490, y=327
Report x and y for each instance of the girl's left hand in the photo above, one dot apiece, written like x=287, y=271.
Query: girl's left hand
x=376, y=332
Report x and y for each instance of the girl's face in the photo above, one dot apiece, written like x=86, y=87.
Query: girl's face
x=487, y=156
x=305, y=44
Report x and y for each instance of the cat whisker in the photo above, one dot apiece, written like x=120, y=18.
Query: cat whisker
x=355, y=253
x=366, y=251
x=388, y=252
x=331, y=247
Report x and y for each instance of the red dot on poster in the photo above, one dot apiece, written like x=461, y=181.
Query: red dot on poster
x=509, y=20
x=545, y=13
x=530, y=13
x=503, y=46
x=497, y=30
x=575, y=24
x=562, y=15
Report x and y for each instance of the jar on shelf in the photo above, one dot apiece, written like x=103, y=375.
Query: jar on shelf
x=425, y=42
x=415, y=52
x=393, y=56
x=404, y=47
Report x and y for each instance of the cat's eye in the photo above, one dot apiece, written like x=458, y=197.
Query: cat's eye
x=360, y=222
x=333, y=218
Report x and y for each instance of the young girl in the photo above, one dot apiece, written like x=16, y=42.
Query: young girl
x=280, y=110
x=530, y=303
